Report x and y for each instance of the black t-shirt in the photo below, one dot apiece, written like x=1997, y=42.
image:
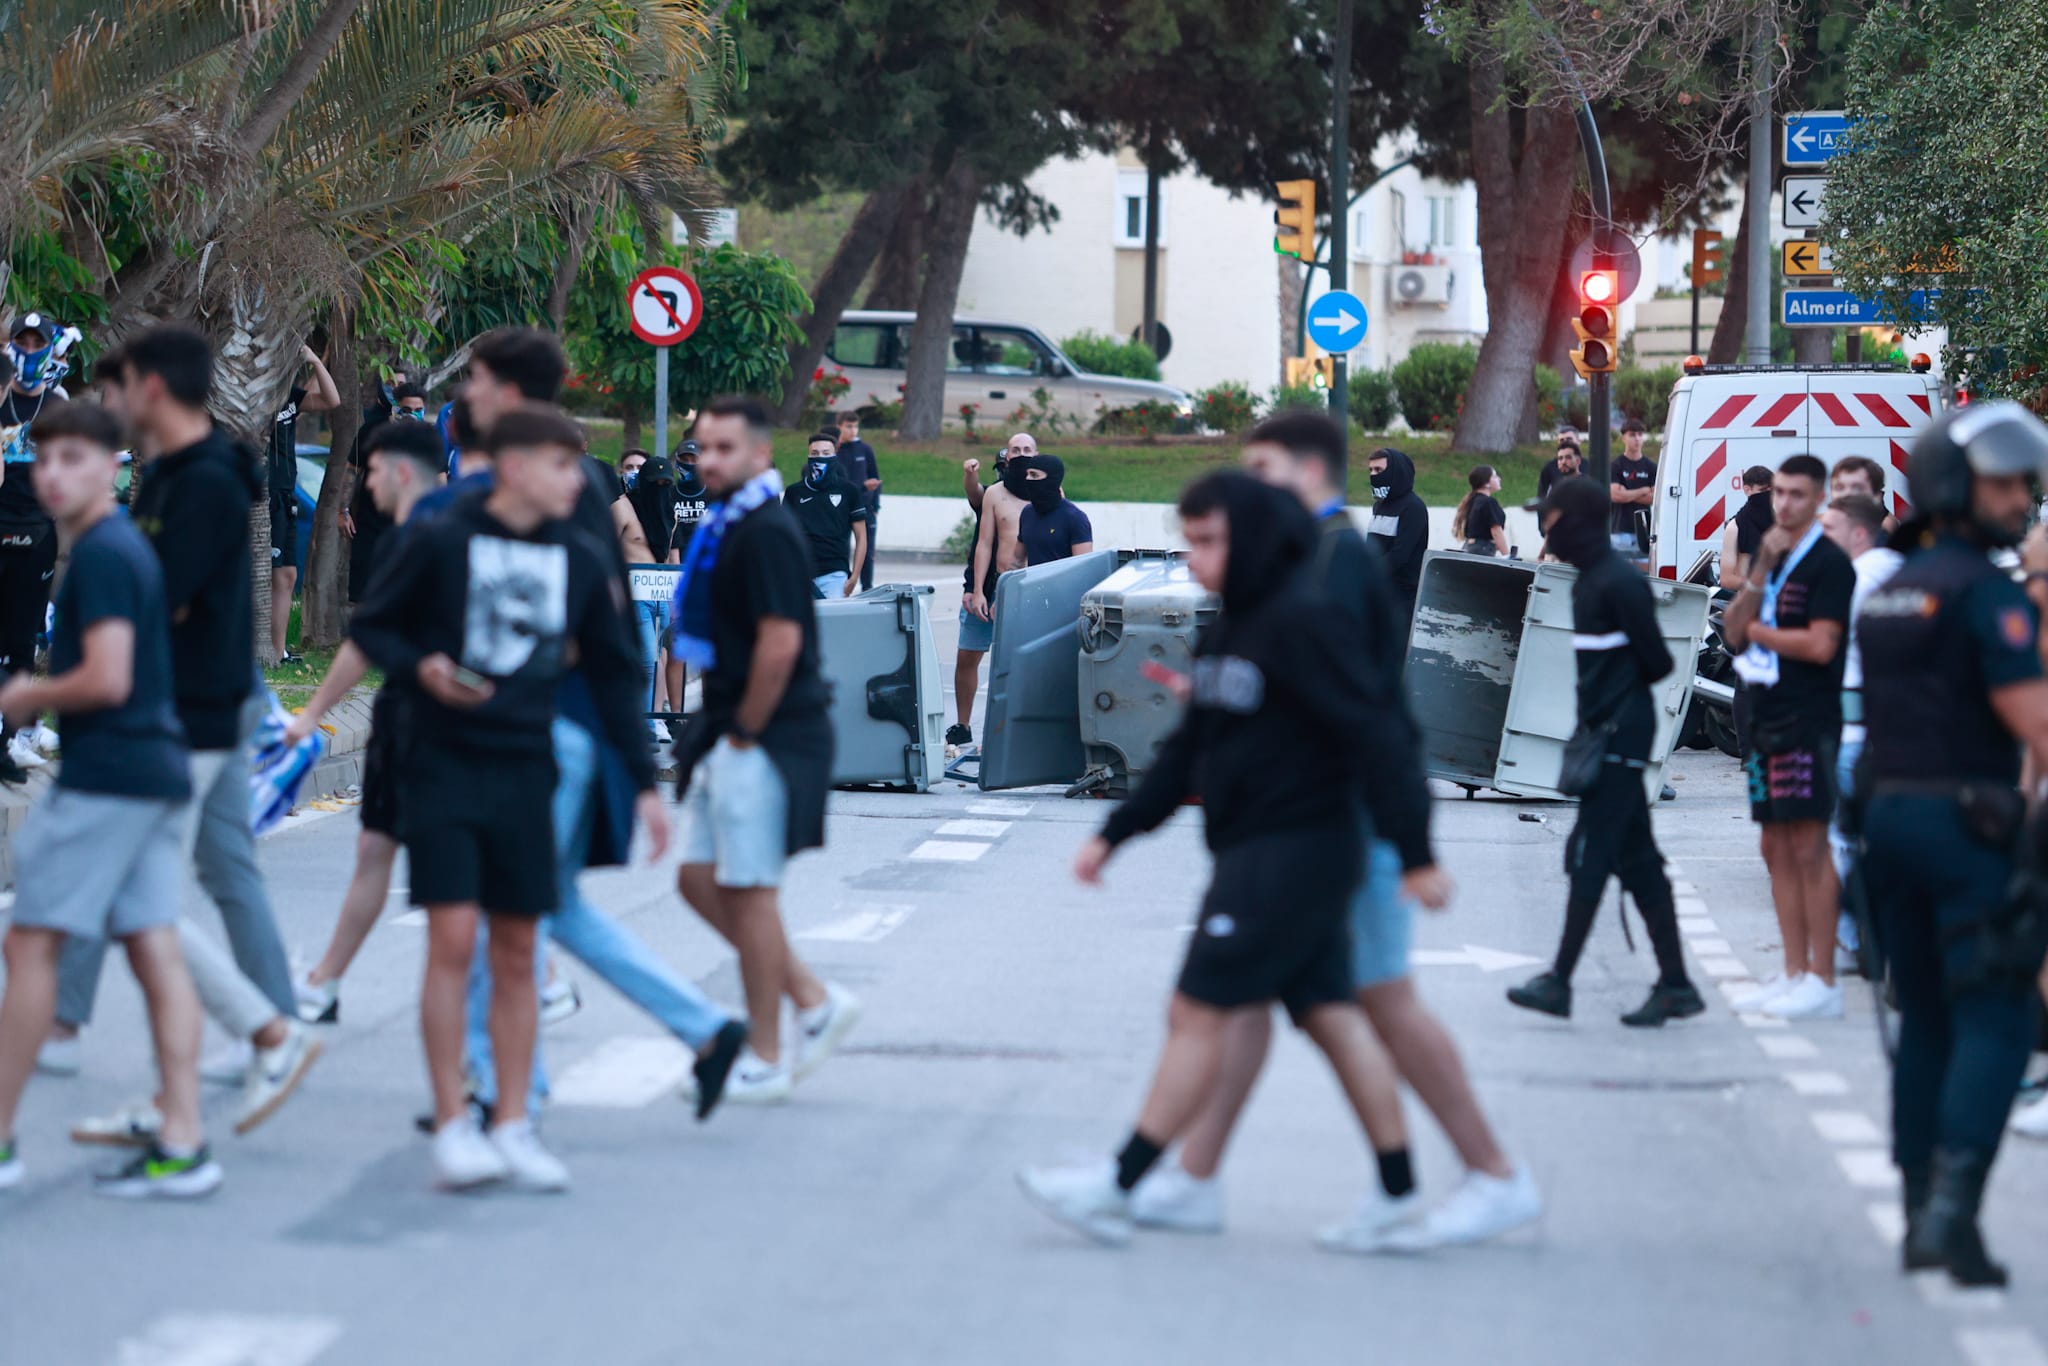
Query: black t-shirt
x=20, y=509
x=1806, y=701
x=362, y=509
x=136, y=749
x=690, y=509
x=1049, y=536
x=284, y=458
x=827, y=515
x=762, y=571
x=1482, y=517
x=1752, y=520
x=857, y=462
x=1547, y=478
x=1635, y=474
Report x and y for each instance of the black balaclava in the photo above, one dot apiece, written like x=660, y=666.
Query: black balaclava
x=1013, y=475
x=688, y=484
x=1579, y=535
x=1271, y=534
x=1396, y=480
x=1045, y=494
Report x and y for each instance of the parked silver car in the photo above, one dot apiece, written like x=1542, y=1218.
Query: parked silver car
x=996, y=365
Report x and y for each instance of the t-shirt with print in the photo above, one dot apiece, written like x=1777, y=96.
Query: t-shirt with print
x=1049, y=536
x=136, y=749
x=690, y=510
x=1639, y=473
x=21, y=512
x=1805, y=704
x=284, y=459
x=827, y=514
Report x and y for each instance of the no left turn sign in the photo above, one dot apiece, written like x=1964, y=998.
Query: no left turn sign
x=664, y=306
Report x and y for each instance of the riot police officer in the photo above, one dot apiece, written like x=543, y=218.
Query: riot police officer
x=1953, y=688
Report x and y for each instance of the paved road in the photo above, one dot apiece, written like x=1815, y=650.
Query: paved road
x=1719, y=1192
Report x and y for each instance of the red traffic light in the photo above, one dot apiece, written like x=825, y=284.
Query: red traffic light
x=1599, y=286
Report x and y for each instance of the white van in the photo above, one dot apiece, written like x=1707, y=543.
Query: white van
x=994, y=365
x=1726, y=418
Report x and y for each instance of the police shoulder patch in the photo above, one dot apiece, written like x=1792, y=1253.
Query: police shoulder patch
x=2015, y=628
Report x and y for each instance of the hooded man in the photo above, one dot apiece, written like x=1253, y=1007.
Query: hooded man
x=1400, y=527
x=1050, y=527
x=1620, y=653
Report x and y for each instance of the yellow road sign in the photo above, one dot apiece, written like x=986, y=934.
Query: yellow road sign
x=1807, y=260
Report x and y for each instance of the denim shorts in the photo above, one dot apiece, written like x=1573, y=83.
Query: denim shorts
x=826, y=587
x=738, y=813
x=976, y=634
x=1382, y=921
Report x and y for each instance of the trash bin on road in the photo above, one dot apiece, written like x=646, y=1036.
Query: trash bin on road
x=1146, y=612
x=888, y=700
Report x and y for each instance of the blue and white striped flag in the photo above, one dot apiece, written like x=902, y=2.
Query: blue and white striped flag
x=277, y=769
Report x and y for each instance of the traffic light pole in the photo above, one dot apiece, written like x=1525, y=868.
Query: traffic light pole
x=1599, y=385
x=1340, y=206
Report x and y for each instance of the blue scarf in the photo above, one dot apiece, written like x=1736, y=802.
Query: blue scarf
x=690, y=609
x=1758, y=666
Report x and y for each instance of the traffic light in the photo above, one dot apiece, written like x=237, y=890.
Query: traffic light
x=1294, y=222
x=1708, y=262
x=1305, y=372
x=1599, y=296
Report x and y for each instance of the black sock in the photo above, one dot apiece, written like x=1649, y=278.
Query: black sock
x=1135, y=1160
x=1397, y=1176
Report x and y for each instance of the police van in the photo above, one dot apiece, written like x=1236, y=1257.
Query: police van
x=1726, y=418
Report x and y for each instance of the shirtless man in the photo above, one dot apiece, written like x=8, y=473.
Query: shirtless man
x=995, y=552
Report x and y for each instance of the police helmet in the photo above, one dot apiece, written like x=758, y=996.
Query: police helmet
x=1995, y=438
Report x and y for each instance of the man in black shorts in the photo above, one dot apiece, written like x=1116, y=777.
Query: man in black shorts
x=1282, y=717
x=1790, y=622
x=482, y=606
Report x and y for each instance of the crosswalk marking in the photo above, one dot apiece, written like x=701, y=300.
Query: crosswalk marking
x=2001, y=1347
x=1018, y=810
x=973, y=830
x=624, y=1074
x=1818, y=1083
x=230, y=1340
x=1870, y=1168
x=865, y=926
x=1845, y=1126
x=949, y=851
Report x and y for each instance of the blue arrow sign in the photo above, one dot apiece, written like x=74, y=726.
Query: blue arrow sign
x=1336, y=322
x=1839, y=308
x=1811, y=138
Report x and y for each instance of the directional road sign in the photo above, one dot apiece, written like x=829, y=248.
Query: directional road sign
x=664, y=306
x=1839, y=308
x=1808, y=260
x=1812, y=137
x=1336, y=322
x=1804, y=195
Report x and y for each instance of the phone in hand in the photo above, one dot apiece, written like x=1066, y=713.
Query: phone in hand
x=471, y=679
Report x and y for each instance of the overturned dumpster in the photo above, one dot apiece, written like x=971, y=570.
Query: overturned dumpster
x=888, y=697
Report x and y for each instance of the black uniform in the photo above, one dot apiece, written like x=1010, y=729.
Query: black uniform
x=1400, y=528
x=1938, y=639
x=28, y=538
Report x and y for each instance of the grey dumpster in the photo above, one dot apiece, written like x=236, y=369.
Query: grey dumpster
x=1146, y=612
x=888, y=701
x=1492, y=680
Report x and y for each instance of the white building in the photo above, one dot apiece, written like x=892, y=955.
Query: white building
x=1415, y=263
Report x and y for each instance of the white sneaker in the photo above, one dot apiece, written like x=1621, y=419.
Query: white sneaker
x=1762, y=994
x=229, y=1064
x=754, y=1082
x=532, y=1166
x=463, y=1157
x=823, y=1027
x=1482, y=1207
x=558, y=999
x=1372, y=1226
x=136, y=1125
x=275, y=1074
x=22, y=750
x=1085, y=1199
x=2031, y=1119
x=319, y=1002
x=1809, y=999
x=60, y=1057
x=1170, y=1198
x=47, y=742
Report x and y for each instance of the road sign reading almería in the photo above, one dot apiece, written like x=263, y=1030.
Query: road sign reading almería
x=1804, y=195
x=1336, y=322
x=1812, y=136
x=665, y=306
x=1839, y=308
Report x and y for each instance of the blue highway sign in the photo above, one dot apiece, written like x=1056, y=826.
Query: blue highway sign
x=1812, y=137
x=1336, y=322
x=1839, y=308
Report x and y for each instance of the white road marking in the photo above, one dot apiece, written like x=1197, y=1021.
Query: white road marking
x=1937, y=1289
x=415, y=916
x=1762, y=1022
x=1870, y=1168
x=2001, y=1347
x=1687, y=905
x=624, y=1074
x=1845, y=1126
x=1818, y=1083
x=1472, y=955
x=1718, y=948
x=1693, y=925
x=1787, y=1046
x=866, y=926
x=973, y=830
x=1889, y=1221
x=230, y=1340
x=1680, y=887
x=1014, y=809
x=1724, y=967
x=950, y=851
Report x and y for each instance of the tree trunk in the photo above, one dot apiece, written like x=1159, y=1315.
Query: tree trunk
x=896, y=277
x=834, y=292
x=576, y=229
x=323, y=586
x=254, y=363
x=1524, y=204
x=629, y=431
x=1813, y=345
x=931, y=337
x=1558, y=337
x=1726, y=348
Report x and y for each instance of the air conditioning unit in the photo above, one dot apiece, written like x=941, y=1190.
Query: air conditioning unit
x=1415, y=286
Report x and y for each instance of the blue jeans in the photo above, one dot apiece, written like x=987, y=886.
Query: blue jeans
x=829, y=587
x=1845, y=772
x=653, y=621
x=597, y=941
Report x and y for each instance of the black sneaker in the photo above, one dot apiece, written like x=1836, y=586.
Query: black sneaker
x=10, y=771
x=1666, y=1003
x=1545, y=992
x=155, y=1175
x=484, y=1111
x=715, y=1065
x=957, y=736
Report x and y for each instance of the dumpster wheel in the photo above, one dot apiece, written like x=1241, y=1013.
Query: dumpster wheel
x=1093, y=780
x=1471, y=790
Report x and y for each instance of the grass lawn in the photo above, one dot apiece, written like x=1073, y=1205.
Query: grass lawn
x=294, y=683
x=1133, y=472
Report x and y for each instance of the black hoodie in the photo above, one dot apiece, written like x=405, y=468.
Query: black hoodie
x=1400, y=529
x=193, y=504
x=1619, y=648
x=1285, y=714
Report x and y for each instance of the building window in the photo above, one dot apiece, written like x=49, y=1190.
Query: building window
x=1128, y=226
x=1443, y=220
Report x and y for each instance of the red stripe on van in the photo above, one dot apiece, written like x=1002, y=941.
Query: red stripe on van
x=1925, y=407
x=1882, y=410
x=1898, y=507
x=1709, y=524
x=1711, y=467
x=1785, y=406
x=1898, y=457
x=1837, y=411
x=1727, y=412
